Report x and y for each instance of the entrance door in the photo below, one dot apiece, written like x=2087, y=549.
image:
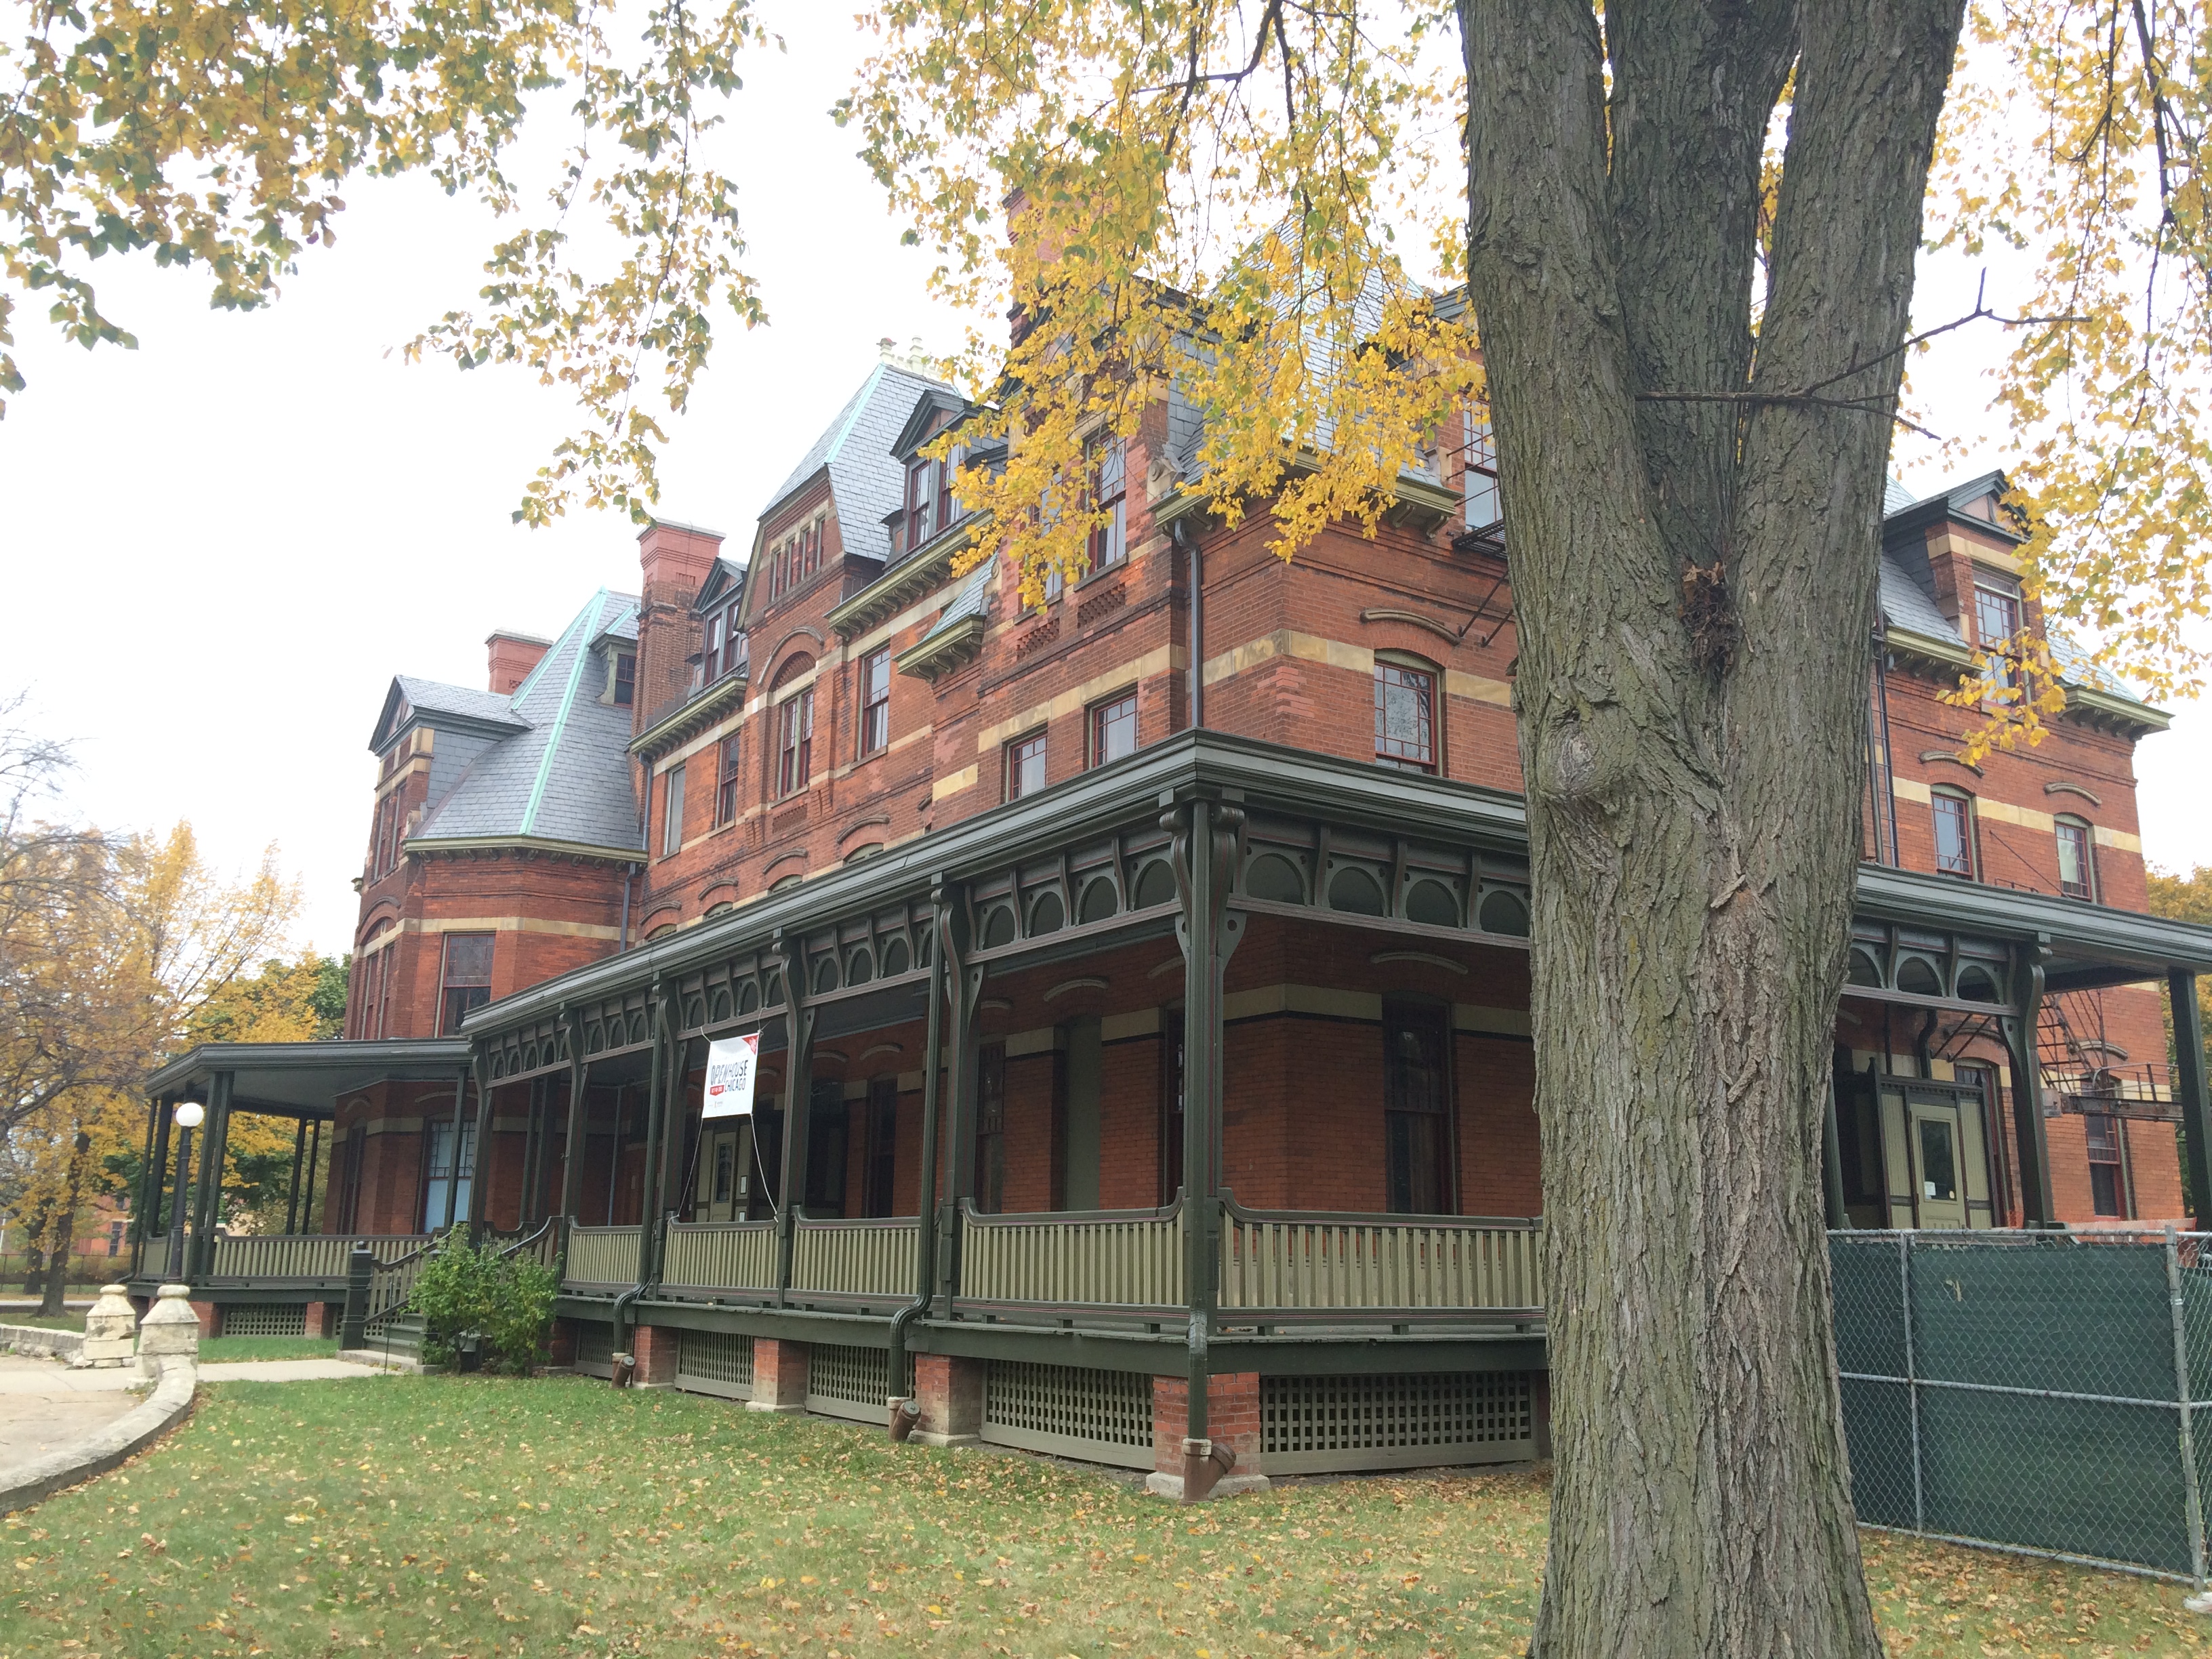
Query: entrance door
x=1939, y=1164
x=723, y=1167
x=1934, y=1152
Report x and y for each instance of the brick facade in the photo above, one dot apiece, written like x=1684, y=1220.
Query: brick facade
x=1289, y=651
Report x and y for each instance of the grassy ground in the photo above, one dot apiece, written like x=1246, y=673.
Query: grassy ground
x=44, y=1322
x=466, y=1516
x=221, y=1350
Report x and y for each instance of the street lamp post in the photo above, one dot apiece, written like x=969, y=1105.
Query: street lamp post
x=189, y=1114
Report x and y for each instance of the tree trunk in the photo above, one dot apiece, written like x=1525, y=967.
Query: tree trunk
x=1695, y=589
x=65, y=1228
x=35, y=1255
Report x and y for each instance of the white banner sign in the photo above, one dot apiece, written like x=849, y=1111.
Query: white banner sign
x=732, y=1066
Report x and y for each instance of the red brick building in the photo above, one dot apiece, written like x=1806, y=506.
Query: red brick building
x=1144, y=961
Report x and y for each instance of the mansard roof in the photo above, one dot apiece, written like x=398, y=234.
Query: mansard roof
x=564, y=775
x=412, y=702
x=855, y=450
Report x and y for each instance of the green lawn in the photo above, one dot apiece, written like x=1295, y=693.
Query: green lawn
x=462, y=1515
x=46, y=1322
x=223, y=1349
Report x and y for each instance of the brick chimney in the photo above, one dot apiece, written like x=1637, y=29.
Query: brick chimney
x=513, y=656
x=673, y=560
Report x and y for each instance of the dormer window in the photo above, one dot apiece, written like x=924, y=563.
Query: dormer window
x=726, y=645
x=1997, y=622
x=923, y=488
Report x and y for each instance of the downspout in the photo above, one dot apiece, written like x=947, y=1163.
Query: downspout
x=906, y=1411
x=648, y=1195
x=1189, y=544
x=629, y=871
x=1888, y=805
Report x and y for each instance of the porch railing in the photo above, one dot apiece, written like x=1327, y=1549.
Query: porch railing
x=703, y=1256
x=871, y=1258
x=1093, y=1258
x=602, y=1255
x=392, y=1283
x=1300, y=1265
x=280, y=1256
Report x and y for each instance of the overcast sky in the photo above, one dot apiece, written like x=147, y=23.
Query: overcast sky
x=218, y=549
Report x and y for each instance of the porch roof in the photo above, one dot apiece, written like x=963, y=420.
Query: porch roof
x=302, y=1080
x=2091, y=944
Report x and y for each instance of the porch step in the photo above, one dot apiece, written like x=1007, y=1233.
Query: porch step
x=401, y=1336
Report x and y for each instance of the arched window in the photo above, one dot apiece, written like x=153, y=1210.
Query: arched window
x=1953, y=813
x=794, y=730
x=2077, y=859
x=1405, y=712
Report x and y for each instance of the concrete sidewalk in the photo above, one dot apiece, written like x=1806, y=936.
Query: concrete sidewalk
x=21, y=1378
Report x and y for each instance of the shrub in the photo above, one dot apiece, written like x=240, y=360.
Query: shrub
x=506, y=1302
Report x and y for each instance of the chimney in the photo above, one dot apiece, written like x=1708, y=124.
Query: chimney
x=513, y=656
x=673, y=560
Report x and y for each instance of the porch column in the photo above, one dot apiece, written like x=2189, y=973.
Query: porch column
x=299, y=1157
x=207, y=1208
x=2028, y=968
x=572, y=1151
x=1208, y=931
x=1832, y=1160
x=656, y=1118
x=2189, y=1091
x=480, y=1169
x=154, y=1178
x=963, y=983
x=314, y=1157
x=932, y=1057
x=453, y=1169
x=675, y=1139
x=798, y=1104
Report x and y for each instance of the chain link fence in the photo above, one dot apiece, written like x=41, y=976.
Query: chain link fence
x=2045, y=1392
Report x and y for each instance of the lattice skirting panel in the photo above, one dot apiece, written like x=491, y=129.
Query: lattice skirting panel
x=595, y=1347
x=715, y=1362
x=263, y=1319
x=853, y=1382
x=1102, y=1417
x=1315, y=1425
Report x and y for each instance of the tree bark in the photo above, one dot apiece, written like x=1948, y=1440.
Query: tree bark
x=1694, y=588
x=57, y=1263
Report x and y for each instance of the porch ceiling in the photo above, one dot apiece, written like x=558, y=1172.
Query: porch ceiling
x=302, y=1080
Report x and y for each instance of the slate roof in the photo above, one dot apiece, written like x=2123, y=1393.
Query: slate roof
x=856, y=447
x=436, y=697
x=1905, y=605
x=566, y=776
x=972, y=598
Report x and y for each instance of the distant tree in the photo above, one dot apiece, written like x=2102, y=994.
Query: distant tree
x=113, y=951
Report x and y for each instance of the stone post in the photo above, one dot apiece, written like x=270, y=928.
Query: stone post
x=110, y=1329
x=170, y=1332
